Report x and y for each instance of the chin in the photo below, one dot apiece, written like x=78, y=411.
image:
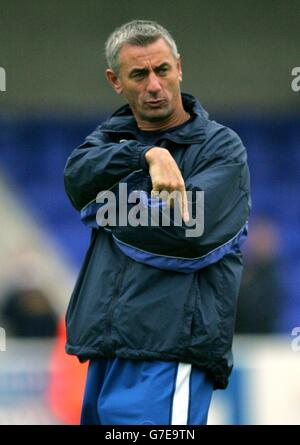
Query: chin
x=159, y=115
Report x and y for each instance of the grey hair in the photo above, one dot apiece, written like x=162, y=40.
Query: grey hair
x=139, y=33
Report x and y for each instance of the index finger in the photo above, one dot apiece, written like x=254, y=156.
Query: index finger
x=184, y=206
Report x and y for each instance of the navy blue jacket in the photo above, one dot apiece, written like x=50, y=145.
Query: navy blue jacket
x=152, y=292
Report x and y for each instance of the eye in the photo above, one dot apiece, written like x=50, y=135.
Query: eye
x=138, y=75
x=163, y=70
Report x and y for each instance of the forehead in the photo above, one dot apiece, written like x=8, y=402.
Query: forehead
x=132, y=56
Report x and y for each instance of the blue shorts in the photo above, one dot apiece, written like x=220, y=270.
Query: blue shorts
x=129, y=392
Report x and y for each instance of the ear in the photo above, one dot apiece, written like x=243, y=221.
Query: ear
x=114, y=80
x=179, y=68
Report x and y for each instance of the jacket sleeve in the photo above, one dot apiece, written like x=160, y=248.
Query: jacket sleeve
x=98, y=164
x=221, y=171
x=225, y=180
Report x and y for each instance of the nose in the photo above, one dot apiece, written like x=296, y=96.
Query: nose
x=153, y=86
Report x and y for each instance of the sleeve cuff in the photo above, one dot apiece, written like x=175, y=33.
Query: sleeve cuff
x=142, y=161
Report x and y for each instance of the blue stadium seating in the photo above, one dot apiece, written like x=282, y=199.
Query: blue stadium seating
x=33, y=153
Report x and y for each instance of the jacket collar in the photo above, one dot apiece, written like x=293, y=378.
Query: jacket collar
x=123, y=121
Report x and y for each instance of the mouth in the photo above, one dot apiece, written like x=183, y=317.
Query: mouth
x=155, y=103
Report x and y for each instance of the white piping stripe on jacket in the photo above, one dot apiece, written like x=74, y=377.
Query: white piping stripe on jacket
x=180, y=408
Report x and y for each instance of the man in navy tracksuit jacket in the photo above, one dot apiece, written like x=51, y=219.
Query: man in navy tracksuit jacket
x=154, y=309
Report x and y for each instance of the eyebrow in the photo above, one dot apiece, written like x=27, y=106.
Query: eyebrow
x=146, y=70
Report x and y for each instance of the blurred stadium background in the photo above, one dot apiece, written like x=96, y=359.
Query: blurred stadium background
x=237, y=59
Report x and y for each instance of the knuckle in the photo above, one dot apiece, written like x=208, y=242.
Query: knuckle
x=179, y=185
x=166, y=184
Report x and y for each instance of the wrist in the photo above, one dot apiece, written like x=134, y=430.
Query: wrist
x=154, y=153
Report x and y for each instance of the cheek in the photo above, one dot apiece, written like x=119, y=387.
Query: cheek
x=173, y=87
x=135, y=92
x=135, y=97
x=130, y=94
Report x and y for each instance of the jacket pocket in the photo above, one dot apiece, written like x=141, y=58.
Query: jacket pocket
x=203, y=320
x=194, y=330
x=186, y=328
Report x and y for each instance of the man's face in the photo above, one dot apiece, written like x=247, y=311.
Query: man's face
x=149, y=78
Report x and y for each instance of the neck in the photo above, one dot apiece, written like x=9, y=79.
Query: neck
x=177, y=118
